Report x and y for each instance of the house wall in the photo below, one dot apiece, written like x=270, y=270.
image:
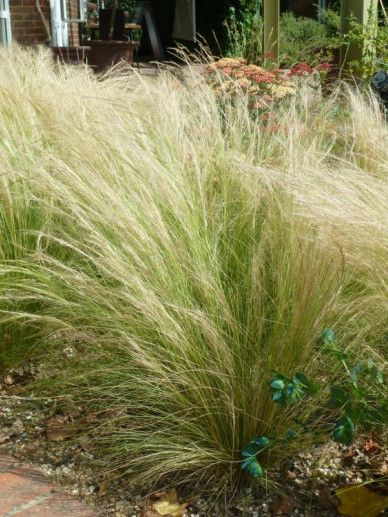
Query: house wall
x=73, y=13
x=27, y=26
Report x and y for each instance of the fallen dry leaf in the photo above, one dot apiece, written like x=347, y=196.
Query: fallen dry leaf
x=283, y=507
x=384, y=469
x=360, y=501
x=165, y=504
x=371, y=447
x=57, y=430
x=327, y=499
x=101, y=489
x=349, y=454
x=8, y=379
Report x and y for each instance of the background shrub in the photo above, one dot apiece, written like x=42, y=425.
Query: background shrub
x=306, y=39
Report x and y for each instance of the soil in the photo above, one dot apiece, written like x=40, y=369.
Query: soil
x=39, y=432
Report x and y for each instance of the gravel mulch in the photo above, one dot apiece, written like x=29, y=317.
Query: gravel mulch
x=38, y=432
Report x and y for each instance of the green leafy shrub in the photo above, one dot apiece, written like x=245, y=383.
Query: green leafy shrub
x=362, y=399
x=301, y=39
x=245, y=31
x=372, y=37
x=305, y=39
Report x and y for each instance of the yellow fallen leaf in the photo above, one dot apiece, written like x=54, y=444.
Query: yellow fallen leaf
x=166, y=508
x=359, y=501
x=167, y=504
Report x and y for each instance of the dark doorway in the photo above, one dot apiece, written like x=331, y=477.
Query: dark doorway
x=164, y=12
x=306, y=8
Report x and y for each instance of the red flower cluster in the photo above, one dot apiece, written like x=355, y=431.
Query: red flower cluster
x=304, y=69
x=258, y=75
x=323, y=67
x=301, y=69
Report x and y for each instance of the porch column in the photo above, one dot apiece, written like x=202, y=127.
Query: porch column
x=5, y=23
x=360, y=10
x=321, y=9
x=271, y=27
x=59, y=28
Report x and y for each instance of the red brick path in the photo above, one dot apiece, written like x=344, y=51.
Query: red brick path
x=25, y=493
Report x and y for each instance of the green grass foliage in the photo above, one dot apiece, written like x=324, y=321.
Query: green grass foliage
x=164, y=256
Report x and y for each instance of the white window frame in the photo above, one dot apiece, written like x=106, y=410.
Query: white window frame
x=81, y=15
x=5, y=23
x=59, y=26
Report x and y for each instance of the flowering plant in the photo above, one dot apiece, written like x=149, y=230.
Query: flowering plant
x=261, y=87
x=305, y=70
x=313, y=76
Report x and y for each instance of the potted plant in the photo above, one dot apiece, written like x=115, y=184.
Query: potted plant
x=113, y=44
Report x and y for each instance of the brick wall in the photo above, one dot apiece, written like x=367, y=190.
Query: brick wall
x=73, y=13
x=27, y=26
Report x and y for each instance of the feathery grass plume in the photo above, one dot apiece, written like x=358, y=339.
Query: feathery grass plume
x=164, y=255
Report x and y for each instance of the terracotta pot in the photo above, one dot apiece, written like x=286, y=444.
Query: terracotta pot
x=73, y=55
x=105, y=54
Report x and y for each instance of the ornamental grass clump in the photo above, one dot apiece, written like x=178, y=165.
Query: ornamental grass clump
x=163, y=258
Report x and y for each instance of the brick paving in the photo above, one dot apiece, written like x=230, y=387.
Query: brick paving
x=25, y=493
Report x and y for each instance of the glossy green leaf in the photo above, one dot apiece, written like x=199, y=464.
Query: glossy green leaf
x=277, y=396
x=307, y=384
x=338, y=397
x=290, y=390
x=341, y=356
x=262, y=441
x=291, y=435
x=252, y=467
x=328, y=336
x=255, y=446
x=355, y=372
x=379, y=376
x=277, y=383
x=344, y=430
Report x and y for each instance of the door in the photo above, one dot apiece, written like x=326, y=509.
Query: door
x=5, y=23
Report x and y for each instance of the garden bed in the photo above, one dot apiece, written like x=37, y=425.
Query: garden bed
x=41, y=432
x=194, y=269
